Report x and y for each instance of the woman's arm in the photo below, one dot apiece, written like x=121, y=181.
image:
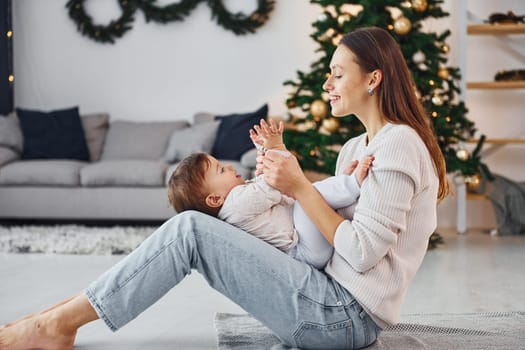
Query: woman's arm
x=285, y=174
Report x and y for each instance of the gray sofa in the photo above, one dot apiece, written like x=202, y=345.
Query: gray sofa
x=124, y=180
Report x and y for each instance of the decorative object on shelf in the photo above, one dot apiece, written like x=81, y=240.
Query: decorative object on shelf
x=505, y=18
x=510, y=75
x=402, y=25
x=238, y=23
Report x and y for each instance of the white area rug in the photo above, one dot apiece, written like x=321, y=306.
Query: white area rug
x=496, y=330
x=72, y=239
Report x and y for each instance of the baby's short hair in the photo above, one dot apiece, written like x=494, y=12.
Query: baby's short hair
x=187, y=188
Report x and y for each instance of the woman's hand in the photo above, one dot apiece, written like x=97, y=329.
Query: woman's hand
x=284, y=173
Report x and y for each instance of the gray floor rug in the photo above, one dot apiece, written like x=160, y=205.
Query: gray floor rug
x=72, y=239
x=497, y=330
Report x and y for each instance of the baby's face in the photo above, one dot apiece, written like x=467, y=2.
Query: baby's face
x=221, y=178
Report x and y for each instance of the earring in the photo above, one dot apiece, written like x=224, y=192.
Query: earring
x=370, y=92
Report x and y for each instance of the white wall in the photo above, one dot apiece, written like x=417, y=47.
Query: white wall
x=159, y=72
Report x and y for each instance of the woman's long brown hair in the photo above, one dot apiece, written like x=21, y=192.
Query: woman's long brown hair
x=375, y=48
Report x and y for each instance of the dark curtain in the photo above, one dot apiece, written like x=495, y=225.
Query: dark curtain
x=6, y=58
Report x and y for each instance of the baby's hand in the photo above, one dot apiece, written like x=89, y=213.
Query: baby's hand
x=269, y=135
x=360, y=168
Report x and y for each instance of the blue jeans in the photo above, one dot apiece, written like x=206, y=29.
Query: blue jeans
x=303, y=306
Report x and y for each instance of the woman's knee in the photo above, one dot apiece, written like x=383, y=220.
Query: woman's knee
x=186, y=222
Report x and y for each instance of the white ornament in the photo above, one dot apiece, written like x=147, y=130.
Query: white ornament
x=419, y=57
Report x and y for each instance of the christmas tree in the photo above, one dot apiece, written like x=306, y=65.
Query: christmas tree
x=315, y=137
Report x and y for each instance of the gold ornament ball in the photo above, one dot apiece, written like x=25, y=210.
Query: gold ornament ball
x=343, y=18
x=443, y=73
x=331, y=124
x=402, y=25
x=419, y=5
x=462, y=154
x=318, y=109
x=473, y=182
x=445, y=48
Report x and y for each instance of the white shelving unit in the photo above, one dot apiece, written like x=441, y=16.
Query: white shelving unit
x=472, y=25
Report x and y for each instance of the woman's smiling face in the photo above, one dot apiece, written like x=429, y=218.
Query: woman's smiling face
x=347, y=84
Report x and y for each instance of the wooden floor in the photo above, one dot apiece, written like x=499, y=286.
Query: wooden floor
x=475, y=272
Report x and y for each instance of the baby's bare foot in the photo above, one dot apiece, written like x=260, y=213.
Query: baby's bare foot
x=41, y=331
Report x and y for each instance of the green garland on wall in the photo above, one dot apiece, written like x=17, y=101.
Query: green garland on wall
x=238, y=23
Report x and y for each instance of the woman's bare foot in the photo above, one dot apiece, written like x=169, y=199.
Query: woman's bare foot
x=10, y=324
x=41, y=331
x=52, y=329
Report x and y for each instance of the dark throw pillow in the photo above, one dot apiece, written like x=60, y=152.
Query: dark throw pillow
x=53, y=135
x=233, y=138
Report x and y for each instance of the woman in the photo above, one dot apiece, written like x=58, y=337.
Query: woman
x=379, y=243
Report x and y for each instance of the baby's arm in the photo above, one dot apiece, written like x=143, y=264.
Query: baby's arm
x=270, y=136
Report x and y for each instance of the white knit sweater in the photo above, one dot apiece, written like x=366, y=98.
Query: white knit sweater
x=380, y=246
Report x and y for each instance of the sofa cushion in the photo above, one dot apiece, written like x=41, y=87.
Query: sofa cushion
x=233, y=138
x=95, y=128
x=42, y=172
x=249, y=159
x=10, y=133
x=194, y=139
x=139, y=140
x=203, y=117
x=142, y=173
x=7, y=155
x=53, y=135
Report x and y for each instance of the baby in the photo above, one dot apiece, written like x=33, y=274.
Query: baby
x=202, y=183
